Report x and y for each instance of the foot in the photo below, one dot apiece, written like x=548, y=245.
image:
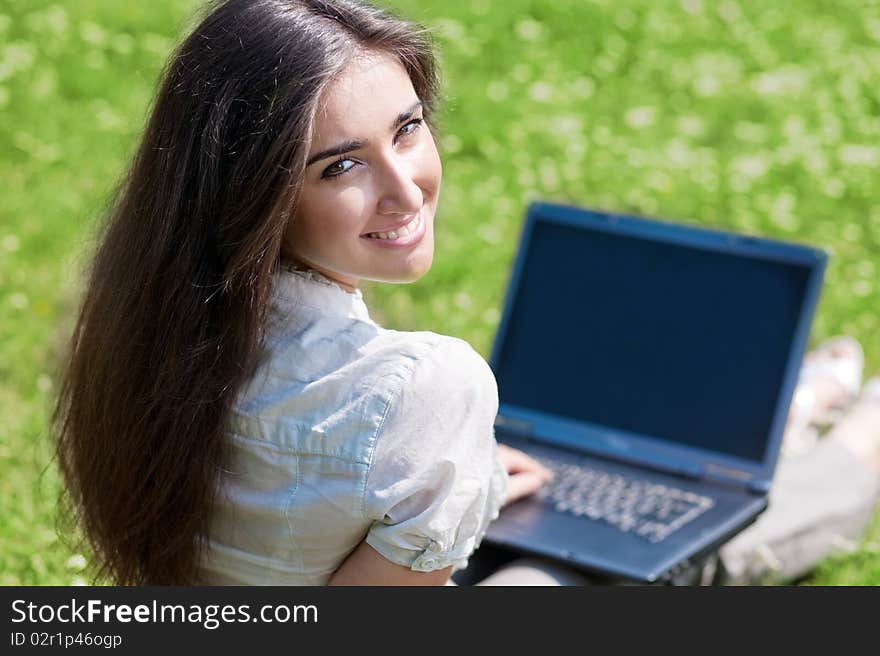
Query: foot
x=828, y=383
x=859, y=429
x=834, y=373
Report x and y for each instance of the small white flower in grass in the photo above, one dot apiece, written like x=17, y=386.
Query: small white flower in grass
x=18, y=300
x=729, y=11
x=122, y=43
x=568, y=123
x=816, y=163
x=451, y=144
x=872, y=27
x=583, y=87
x=678, y=154
x=636, y=158
x=44, y=83
x=782, y=212
x=833, y=187
x=491, y=315
x=51, y=22
x=862, y=287
x=526, y=178
x=528, y=29
x=859, y=155
x=105, y=117
x=641, y=117
x=463, y=300
x=44, y=383
x=739, y=182
x=691, y=125
x=56, y=18
x=549, y=175
x=692, y=6
x=10, y=243
x=496, y=90
x=76, y=562
x=155, y=43
x=575, y=151
x=659, y=181
x=78, y=581
x=540, y=91
x=707, y=84
x=751, y=166
x=92, y=33
x=489, y=233
x=16, y=57
x=450, y=29
x=852, y=232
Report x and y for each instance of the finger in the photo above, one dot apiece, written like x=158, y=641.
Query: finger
x=521, y=485
x=516, y=461
x=527, y=464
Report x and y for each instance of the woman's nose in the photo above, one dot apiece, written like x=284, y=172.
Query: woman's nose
x=399, y=193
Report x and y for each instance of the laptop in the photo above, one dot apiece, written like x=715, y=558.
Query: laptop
x=651, y=365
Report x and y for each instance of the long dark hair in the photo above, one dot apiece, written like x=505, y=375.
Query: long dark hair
x=174, y=309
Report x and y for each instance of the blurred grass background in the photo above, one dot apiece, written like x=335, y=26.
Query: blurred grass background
x=742, y=115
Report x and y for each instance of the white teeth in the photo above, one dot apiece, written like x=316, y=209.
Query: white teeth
x=403, y=231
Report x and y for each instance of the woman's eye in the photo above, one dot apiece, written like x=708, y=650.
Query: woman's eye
x=410, y=127
x=338, y=168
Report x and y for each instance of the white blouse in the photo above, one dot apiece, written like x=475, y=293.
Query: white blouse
x=350, y=431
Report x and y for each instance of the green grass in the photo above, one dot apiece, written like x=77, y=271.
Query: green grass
x=738, y=115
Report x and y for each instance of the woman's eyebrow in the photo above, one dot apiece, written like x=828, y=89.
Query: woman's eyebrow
x=355, y=144
x=406, y=115
x=341, y=149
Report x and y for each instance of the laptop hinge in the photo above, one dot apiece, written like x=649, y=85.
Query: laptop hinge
x=518, y=427
x=733, y=476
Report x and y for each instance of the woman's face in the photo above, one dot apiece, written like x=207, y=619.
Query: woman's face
x=372, y=168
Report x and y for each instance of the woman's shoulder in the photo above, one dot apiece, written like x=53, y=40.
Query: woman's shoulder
x=438, y=365
x=446, y=383
x=450, y=355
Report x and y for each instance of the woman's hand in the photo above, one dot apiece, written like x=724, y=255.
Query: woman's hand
x=526, y=474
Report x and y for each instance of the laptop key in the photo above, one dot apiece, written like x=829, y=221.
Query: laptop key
x=649, y=510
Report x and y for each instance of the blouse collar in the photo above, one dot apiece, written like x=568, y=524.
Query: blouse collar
x=311, y=288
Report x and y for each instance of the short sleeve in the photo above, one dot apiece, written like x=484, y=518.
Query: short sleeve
x=435, y=481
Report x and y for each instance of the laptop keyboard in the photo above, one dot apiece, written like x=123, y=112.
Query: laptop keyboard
x=644, y=508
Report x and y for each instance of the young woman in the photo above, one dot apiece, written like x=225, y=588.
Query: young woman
x=230, y=413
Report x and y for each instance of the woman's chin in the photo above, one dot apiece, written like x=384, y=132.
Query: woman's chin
x=408, y=274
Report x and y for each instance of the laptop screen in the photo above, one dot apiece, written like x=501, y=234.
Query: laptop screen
x=651, y=337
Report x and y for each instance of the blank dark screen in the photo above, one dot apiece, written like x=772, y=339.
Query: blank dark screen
x=659, y=339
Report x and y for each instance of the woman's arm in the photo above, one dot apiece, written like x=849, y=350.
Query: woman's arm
x=366, y=566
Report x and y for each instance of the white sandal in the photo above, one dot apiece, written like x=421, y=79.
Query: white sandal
x=840, y=359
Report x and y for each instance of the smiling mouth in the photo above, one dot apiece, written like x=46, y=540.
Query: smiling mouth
x=399, y=233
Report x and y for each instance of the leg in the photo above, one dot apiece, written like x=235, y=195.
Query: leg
x=822, y=500
x=534, y=572
x=495, y=566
